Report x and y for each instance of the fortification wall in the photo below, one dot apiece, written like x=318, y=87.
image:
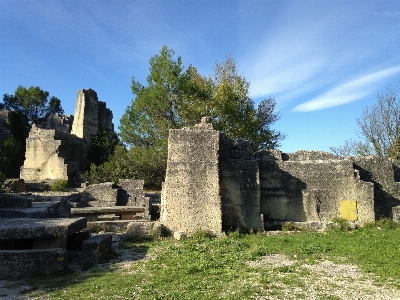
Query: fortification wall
x=191, y=199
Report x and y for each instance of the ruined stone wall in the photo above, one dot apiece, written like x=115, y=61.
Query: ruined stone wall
x=85, y=117
x=61, y=123
x=191, y=199
x=239, y=187
x=312, y=186
x=132, y=194
x=52, y=155
x=383, y=173
x=91, y=116
x=212, y=182
x=100, y=195
x=105, y=117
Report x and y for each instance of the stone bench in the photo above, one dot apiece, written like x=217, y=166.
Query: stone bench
x=95, y=249
x=93, y=213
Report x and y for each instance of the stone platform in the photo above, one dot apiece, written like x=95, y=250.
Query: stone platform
x=36, y=246
x=22, y=228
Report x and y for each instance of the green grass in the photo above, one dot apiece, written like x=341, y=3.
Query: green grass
x=59, y=186
x=203, y=267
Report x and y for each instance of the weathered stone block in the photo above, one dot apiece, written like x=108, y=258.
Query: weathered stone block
x=11, y=200
x=140, y=228
x=101, y=195
x=396, y=213
x=191, y=190
x=95, y=249
x=22, y=263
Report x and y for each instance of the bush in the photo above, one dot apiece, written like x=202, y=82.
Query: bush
x=59, y=186
x=2, y=177
x=289, y=226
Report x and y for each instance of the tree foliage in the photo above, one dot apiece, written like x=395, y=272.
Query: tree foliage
x=233, y=112
x=12, y=148
x=379, y=129
x=176, y=97
x=102, y=146
x=34, y=103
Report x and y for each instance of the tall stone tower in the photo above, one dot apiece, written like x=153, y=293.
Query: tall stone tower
x=91, y=116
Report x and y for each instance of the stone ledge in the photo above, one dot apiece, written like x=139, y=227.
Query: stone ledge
x=22, y=263
x=36, y=228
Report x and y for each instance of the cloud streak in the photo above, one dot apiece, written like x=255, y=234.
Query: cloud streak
x=348, y=92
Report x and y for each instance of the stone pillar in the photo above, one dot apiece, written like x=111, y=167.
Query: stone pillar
x=86, y=120
x=191, y=199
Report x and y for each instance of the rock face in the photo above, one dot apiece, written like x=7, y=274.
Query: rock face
x=215, y=184
x=53, y=152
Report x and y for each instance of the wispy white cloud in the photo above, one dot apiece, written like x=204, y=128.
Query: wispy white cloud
x=348, y=92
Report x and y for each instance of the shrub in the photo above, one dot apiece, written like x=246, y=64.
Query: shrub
x=289, y=226
x=2, y=177
x=59, y=186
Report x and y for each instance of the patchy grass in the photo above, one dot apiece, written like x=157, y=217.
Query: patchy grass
x=205, y=267
x=59, y=186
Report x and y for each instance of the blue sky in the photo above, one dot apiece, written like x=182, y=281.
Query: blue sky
x=322, y=61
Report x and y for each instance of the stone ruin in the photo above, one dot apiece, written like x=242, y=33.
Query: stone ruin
x=216, y=185
x=59, y=150
x=42, y=234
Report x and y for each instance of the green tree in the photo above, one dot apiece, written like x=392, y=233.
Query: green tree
x=102, y=146
x=12, y=148
x=175, y=97
x=233, y=111
x=34, y=103
x=379, y=128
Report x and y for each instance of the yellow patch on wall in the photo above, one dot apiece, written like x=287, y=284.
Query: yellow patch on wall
x=348, y=210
